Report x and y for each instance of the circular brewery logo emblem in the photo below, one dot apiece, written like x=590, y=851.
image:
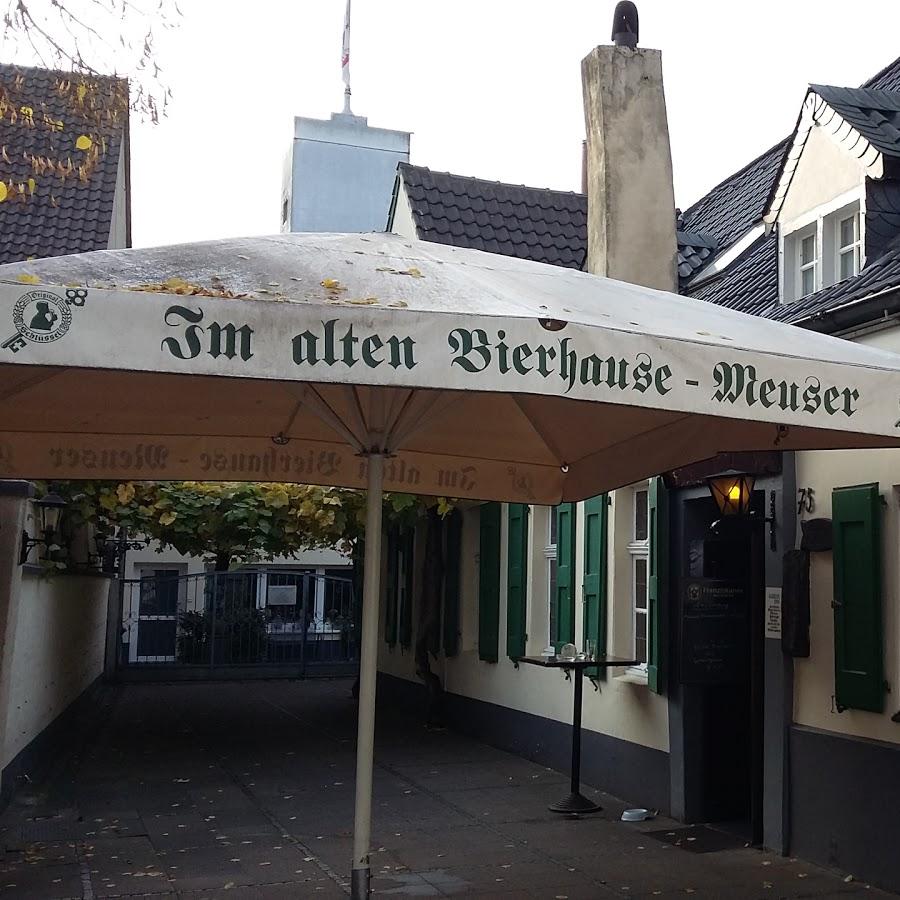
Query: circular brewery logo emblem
x=42, y=316
x=694, y=592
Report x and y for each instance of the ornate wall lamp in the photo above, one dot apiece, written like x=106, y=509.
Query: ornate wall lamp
x=733, y=492
x=49, y=508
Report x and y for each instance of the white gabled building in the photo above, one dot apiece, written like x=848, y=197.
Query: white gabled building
x=781, y=722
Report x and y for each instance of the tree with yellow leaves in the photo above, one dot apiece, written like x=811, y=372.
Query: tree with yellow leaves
x=224, y=522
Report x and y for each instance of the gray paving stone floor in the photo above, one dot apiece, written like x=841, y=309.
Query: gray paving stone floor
x=238, y=791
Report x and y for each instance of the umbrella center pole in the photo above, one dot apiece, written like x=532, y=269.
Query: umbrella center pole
x=368, y=672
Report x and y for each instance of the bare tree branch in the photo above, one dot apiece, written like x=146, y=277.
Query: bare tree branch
x=94, y=37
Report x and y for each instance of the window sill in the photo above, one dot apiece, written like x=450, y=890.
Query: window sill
x=632, y=676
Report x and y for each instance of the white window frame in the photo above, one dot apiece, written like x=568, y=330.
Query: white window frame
x=812, y=265
x=824, y=221
x=639, y=549
x=854, y=248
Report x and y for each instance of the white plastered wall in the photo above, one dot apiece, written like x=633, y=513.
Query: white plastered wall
x=825, y=172
x=623, y=709
x=814, y=677
x=54, y=638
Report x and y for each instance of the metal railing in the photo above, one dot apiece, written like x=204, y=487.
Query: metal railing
x=262, y=618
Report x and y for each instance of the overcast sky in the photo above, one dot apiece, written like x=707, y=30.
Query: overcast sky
x=489, y=88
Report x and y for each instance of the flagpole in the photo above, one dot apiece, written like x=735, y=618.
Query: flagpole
x=345, y=61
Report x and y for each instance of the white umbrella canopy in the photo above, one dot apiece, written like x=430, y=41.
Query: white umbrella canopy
x=483, y=376
x=371, y=360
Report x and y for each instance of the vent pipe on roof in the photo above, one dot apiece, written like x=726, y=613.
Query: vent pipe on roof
x=625, y=25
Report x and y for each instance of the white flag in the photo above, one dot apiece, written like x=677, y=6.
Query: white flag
x=345, y=52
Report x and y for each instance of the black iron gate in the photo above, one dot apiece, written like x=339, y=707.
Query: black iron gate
x=260, y=622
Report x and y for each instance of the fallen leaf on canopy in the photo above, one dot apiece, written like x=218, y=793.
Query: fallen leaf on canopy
x=181, y=287
x=28, y=279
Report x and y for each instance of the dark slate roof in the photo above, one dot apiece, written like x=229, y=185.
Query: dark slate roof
x=729, y=210
x=58, y=198
x=874, y=113
x=882, y=215
x=749, y=284
x=694, y=251
x=529, y=223
x=881, y=275
x=733, y=207
x=888, y=79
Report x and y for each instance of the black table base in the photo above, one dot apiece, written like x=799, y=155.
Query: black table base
x=575, y=804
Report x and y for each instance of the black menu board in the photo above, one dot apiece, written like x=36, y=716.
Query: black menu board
x=714, y=634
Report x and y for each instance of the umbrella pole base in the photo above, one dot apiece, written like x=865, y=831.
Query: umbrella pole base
x=359, y=884
x=575, y=804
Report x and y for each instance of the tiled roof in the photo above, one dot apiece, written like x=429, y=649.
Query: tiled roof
x=882, y=215
x=874, y=113
x=60, y=141
x=529, y=223
x=749, y=284
x=729, y=210
x=733, y=207
x=694, y=251
x=888, y=79
x=876, y=277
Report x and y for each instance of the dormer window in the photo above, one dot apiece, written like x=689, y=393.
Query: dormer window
x=821, y=249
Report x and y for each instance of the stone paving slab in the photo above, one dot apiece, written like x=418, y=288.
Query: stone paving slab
x=242, y=791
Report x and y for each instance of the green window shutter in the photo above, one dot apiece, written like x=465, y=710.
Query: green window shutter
x=451, y=583
x=565, y=574
x=858, y=638
x=489, y=583
x=516, y=582
x=658, y=584
x=406, y=546
x=596, y=512
x=390, y=607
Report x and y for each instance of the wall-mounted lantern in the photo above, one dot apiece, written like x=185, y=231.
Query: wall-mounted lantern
x=49, y=508
x=732, y=492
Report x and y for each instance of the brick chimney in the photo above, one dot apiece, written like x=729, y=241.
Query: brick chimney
x=631, y=203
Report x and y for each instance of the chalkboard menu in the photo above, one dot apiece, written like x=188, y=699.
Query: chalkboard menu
x=714, y=631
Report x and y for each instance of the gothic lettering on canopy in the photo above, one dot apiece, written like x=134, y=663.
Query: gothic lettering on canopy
x=214, y=339
x=474, y=351
x=740, y=383
x=313, y=347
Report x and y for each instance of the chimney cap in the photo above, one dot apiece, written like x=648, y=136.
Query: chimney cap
x=625, y=25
